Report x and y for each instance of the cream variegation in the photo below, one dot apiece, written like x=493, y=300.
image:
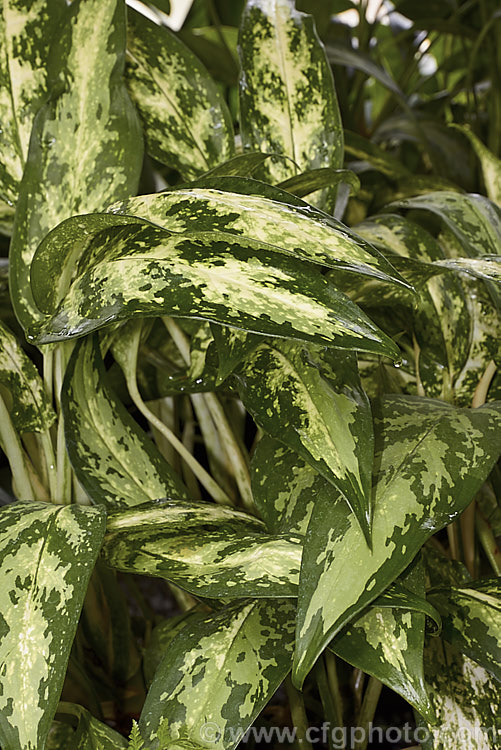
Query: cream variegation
x=243, y=650
x=114, y=460
x=431, y=458
x=133, y=271
x=187, y=123
x=86, y=145
x=209, y=550
x=46, y=558
x=288, y=103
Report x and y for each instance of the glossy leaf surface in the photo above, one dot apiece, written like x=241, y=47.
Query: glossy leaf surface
x=47, y=555
x=465, y=698
x=187, y=123
x=388, y=642
x=86, y=145
x=218, y=674
x=314, y=403
x=209, y=550
x=288, y=103
x=294, y=229
x=471, y=615
x=114, y=460
x=216, y=277
x=25, y=33
x=430, y=460
x=30, y=408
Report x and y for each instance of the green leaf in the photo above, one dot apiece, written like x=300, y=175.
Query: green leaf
x=288, y=103
x=55, y=262
x=315, y=179
x=363, y=149
x=145, y=271
x=471, y=616
x=292, y=228
x=46, y=557
x=86, y=147
x=209, y=550
x=233, y=346
x=488, y=267
x=491, y=165
x=242, y=165
x=431, y=459
x=473, y=219
x=114, y=460
x=313, y=402
x=441, y=323
x=90, y=733
x=466, y=701
x=25, y=34
x=187, y=123
x=161, y=637
x=284, y=487
x=30, y=407
x=218, y=674
x=387, y=642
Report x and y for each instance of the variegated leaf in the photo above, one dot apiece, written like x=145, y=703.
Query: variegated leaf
x=218, y=674
x=90, y=733
x=484, y=343
x=209, y=550
x=491, y=165
x=431, y=459
x=30, y=407
x=187, y=123
x=441, y=570
x=316, y=179
x=114, y=460
x=242, y=165
x=488, y=267
x=473, y=219
x=313, y=402
x=284, y=487
x=387, y=642
x=46, y=557
x=55, y=262
x=86, y=144
x=145, y=271
x=466, y=701
x=288, y=103
x=26, y=29
x=298, y=230
x=161, y=637
x=233, y=346
x=441, y=322
x=471, y=616
x=364, y=150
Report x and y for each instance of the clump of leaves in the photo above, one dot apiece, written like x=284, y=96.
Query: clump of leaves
x=290, y=419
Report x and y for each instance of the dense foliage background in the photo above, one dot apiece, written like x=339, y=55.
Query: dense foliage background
x=249, y=386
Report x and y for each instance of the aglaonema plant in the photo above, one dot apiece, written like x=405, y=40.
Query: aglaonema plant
x=291, y=421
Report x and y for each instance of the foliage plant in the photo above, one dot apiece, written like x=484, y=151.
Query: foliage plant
x=249, y=399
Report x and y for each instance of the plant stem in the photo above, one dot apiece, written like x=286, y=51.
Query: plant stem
x=369, y=705
x=201, y=474
x=236, y=457
x=12, y=448
x=298, y=714
x=488, y=542
x=331, y=708
x=467, y=519
x=50, y=462
x=63, y=475
x=330, y=663
x=230, y=444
